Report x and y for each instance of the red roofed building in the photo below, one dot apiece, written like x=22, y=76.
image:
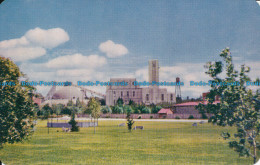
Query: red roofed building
x=164, y=112
x=189, y=107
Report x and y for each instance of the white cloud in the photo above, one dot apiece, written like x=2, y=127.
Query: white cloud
x=77, y=61
x=23, y=53
x=47, y=38
x=113, y=50
x=33, y=44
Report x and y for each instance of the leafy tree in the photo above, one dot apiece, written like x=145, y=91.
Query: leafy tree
x=95, y=108
x=78, y=103
x=131, y=102
x=146, y=110
x=237, y=107
x=47, y=111
x=70, y=103
x=127, y=109
x=156, y=109
x=66, y=111
x=57, y=108
x=16, y=105
x=130, y=122
x=106, y=109
x=103, y=102
x=117, y=109
x=120, y=102
x=73, y=123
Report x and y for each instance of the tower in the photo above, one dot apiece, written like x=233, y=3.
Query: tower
x=153, y=77
x=178, y=90
x=153, y=71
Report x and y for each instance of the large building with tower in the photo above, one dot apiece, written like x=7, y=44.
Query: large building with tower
x=147, y=95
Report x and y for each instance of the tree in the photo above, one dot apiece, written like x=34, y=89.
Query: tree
x=70, y=103
x=95, y=108
x=66, y=110
x=238, y=105
x=131, y=102
x=73, y=123
x=106, y=109
x=156, y=109
x=130, y=122
x=127, y=109
x=78, y=103
x=47, y=111
x=146, y=110
x=16, y=105
x=117, y=109
x=120, y=102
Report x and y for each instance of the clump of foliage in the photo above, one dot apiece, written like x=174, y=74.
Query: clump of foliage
x=177, y=117
x=191, y=117
x=130, y=122
x=106, y=109
x=95, y=108
x=73, y=123
x=238, y=106
x=16, y=105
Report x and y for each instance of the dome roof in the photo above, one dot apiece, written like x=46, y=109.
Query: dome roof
x=68, y=92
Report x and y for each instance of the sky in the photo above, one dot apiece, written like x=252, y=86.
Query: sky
x=102, y=39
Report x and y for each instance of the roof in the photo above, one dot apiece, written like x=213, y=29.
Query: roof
x=68, y=92
x=194, y=103
x=164, y=111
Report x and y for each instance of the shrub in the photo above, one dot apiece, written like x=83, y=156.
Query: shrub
x=73, y=123
x=151, y=117
x=106, y=109
x=191, y=117
x=177, y=117
x=139, y=117
x=204, y=116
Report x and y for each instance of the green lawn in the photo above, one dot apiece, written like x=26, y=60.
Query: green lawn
x=159, y=143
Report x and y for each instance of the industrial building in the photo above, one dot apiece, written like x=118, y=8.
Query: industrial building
x=147, y=95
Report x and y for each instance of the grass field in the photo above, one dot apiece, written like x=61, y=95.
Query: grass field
x=159, y=143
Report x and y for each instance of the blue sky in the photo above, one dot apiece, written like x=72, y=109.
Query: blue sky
x=183, y=35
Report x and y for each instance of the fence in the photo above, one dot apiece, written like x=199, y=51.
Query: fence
x=67, y=125
x=149, y=116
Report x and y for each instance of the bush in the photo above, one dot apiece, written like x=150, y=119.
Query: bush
x=139, y=117
x=145, y=110
x=151, y=117
x=204, y=116
x=191, y=117
x=177, y=117
x=73, y=123
x=156, y=109
x=106, y=109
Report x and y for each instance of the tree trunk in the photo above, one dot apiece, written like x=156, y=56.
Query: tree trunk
x=255, y=153
x=94, y=126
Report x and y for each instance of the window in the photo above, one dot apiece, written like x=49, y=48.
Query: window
x=171, y=97
x=162, y=97
x=127, y=93
x=114, y=92
x=133, y=93
x=147, y=97
x=121, y=93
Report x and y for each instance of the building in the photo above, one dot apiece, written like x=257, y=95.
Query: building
x=147, y=95
x=164, y=112
x=63, y=94
x=189, y=107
